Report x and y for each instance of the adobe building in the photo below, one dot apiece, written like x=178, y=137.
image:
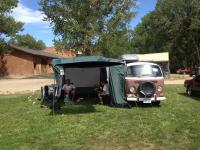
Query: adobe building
x=23, y=61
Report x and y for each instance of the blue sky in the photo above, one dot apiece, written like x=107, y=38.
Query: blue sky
x=28, y=12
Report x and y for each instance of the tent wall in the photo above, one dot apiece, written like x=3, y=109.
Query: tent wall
x=83, y=77
x=117, y=86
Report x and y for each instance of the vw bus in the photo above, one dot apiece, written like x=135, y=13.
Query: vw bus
x=144, y=82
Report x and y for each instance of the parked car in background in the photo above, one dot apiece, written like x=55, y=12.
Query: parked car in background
x=195, y=71
x=192, y=85
x=186, y=70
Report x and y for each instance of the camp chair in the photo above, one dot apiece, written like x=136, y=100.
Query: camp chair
x=47, y=97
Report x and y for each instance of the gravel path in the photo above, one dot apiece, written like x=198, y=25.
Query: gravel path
x=8, y=86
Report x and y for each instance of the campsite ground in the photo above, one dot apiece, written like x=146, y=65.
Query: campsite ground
x=173, y=125
x=33, y=83
x=24, y=84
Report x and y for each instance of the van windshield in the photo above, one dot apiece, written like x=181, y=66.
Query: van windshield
x=144, y=71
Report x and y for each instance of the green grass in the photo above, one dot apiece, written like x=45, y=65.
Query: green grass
x=173, y=125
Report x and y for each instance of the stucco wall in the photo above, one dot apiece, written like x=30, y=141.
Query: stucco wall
x=19, y=63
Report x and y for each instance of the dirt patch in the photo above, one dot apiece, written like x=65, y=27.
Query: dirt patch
x=180, y=81
x=8, y=86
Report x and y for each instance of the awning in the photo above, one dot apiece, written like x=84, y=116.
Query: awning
x=86, y=61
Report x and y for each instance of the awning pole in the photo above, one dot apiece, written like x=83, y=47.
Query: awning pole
x=54, y=95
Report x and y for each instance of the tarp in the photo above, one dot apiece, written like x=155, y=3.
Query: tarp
x=117, y=86
x=116, y=74
x=86, y=61
x=83, y=77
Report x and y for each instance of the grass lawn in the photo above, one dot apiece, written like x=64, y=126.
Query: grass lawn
x=173, y=125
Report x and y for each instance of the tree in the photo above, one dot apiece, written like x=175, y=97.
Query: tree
x=82, y=25
x=27, y=41
x=114, y=44
x=8, y=26
x=40, y=45
x=173, y=26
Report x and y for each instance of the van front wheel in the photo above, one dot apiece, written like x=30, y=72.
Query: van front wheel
x=157, y=103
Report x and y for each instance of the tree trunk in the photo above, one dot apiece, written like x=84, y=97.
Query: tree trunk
x=196, y=44
x=198, y=56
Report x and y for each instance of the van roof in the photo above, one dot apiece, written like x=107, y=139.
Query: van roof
x=141, y=63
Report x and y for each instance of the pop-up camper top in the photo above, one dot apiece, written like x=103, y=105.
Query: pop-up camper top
x=129, y=58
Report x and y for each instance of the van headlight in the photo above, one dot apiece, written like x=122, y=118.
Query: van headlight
x=132, y=90
x=159, y=89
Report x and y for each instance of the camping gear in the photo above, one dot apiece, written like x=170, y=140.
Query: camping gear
x=86, y=70
x=66, y=99
x=46, y=95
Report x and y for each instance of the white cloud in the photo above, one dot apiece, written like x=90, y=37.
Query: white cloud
x=27, y=15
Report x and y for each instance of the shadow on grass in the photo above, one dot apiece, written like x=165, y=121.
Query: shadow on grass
x=80, y=108
x=195, y=96
x=142, y=105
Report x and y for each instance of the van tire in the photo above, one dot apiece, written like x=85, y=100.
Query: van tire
x=157, y=103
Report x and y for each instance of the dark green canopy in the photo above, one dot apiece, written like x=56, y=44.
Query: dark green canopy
x=86, y=61
x=117, y=85
x=116, y=73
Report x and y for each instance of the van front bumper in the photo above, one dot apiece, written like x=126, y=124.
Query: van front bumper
x=152, y=99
